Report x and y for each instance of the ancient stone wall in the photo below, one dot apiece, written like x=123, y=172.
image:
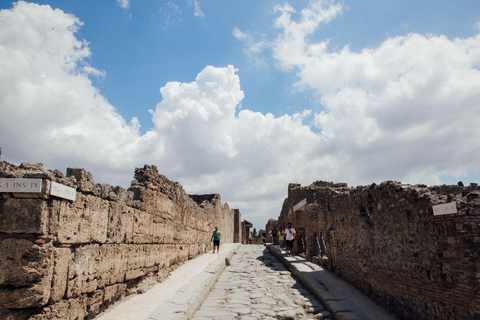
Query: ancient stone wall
x=386, y=240
x=64, y=259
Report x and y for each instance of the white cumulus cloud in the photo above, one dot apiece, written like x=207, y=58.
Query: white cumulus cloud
x=406, y=110
x=49, y=108
x=51, y=113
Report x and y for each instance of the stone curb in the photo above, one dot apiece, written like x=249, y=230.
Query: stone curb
x=186, y=301
x=338, y=302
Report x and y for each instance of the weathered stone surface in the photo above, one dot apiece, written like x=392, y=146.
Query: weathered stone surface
x=62, y=260
x=120, y=223
x=113, y=293
x=100, y=245
x=95, y=302
x=124, y=197
x=106, y=192
x=24, y=216
x=16, y=314
x=143, y=227
x=82, y=273
x=36, y=295
x=84, y=179
x=25, y=170
x=83, y=221
x=26, y=271
x=71, y=309
x=252, y=286
x=385, y=239
x=112, y=264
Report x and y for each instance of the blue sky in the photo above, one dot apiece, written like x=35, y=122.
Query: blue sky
x=151, y=43
x=242, y=97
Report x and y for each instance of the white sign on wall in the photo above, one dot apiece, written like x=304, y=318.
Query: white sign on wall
x=20, y=185
x=300, y=204
x=59, y=190
x=446, y=208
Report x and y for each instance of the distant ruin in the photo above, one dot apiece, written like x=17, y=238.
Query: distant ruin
x=387, y=241
x=69, y=247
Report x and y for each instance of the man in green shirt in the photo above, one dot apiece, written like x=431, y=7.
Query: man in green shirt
x=216, y=239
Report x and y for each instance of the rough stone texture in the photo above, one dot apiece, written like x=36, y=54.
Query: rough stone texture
x=385, y=240
x=24, y=216
x=83, y=221
x=257, y=285
x=62, y=259
x=26, y=271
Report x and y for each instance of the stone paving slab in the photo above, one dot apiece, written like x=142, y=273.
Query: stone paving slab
x=257, y=285
x=342, y=299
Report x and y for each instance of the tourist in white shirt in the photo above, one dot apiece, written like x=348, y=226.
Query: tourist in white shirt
x=289, y=236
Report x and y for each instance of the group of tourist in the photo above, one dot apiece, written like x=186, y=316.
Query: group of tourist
x=284, y=238
x=279, y=238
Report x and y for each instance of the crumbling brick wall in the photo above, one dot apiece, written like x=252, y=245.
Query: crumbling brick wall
x=386, y=240
x=63, y=259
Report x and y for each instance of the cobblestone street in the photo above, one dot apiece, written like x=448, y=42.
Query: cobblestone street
x=258, y=286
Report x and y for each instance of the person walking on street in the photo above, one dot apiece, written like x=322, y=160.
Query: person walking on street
x=274, y=235
x=216, y=240
x=289, y=237
x=281, y=237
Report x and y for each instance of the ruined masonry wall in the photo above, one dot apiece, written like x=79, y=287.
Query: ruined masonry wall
x=61, y=259
x=385, y=240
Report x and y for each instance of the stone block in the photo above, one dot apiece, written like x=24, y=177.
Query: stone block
x=142, y=259
x=169, y=231
x=156, y=202
x=135, y=256
x=24, y=216
x=106, y=192
x=142, y=227
x=84, y=179
x=162, y=256
x=112, y=265
x=71, y=309
x=63, y=258
x=26, y=271
x=18, y=314
x=82, y=273
x=158, y=229
x=113, y=293
x=129, y=223
x=163, y=205
x=120, y=223
x=124, y=197
x=153, y=255
x=83, y=221
x=95, y=303
x=25, y=297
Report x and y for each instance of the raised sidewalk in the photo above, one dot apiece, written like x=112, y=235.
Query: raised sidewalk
x=342, y=299
x=180, y=295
